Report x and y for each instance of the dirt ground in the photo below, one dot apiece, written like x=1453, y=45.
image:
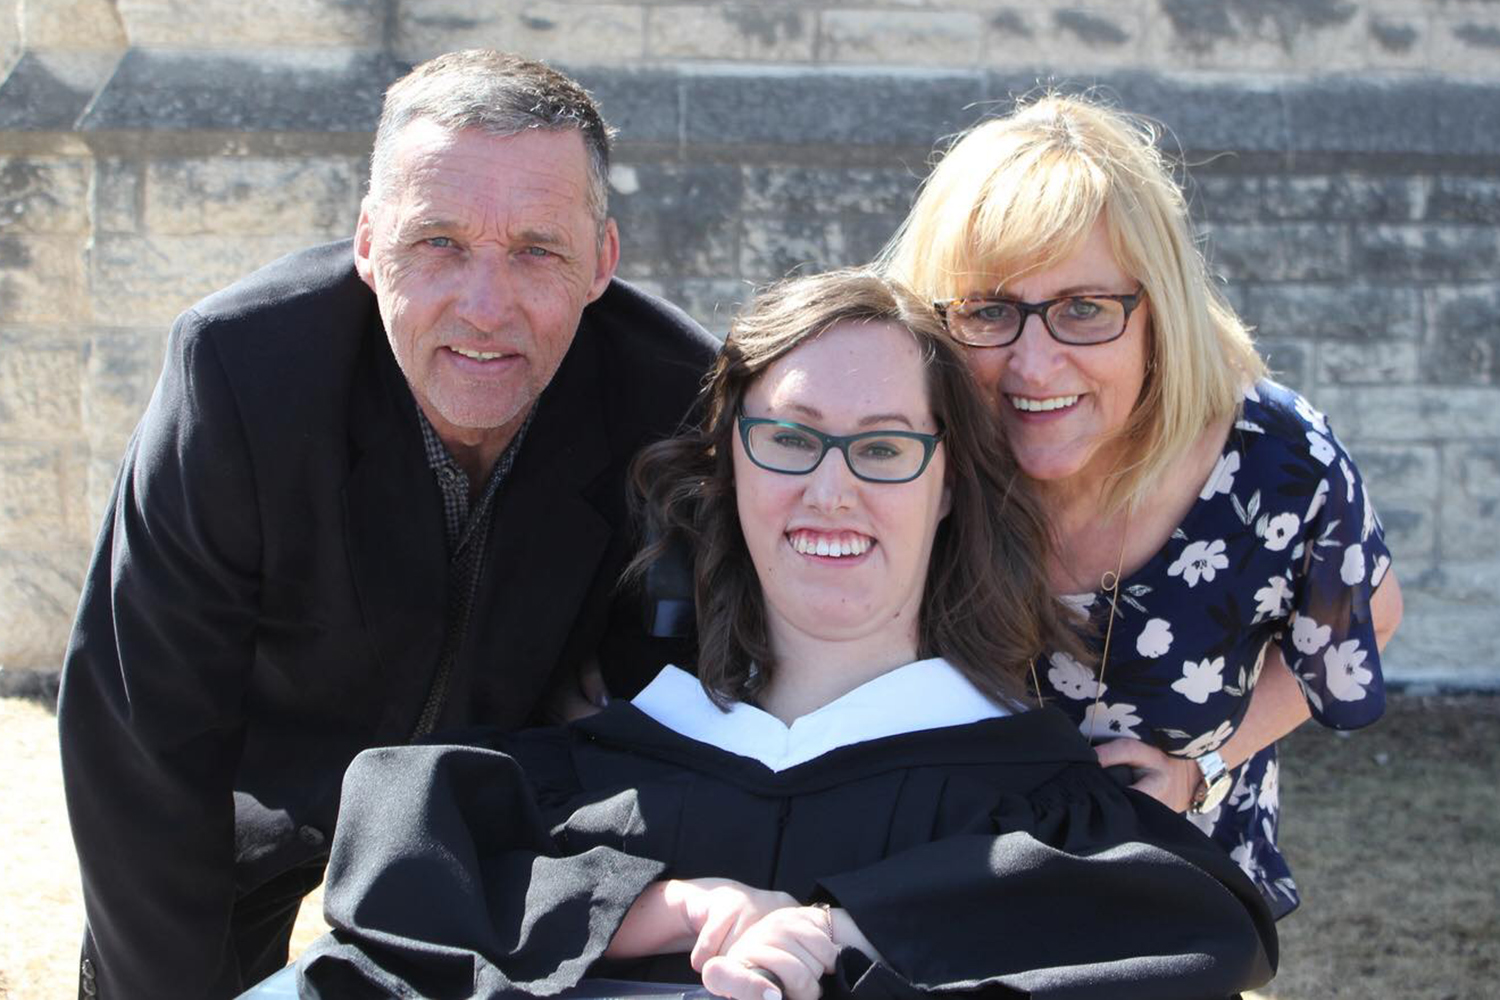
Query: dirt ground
x=1392, y=832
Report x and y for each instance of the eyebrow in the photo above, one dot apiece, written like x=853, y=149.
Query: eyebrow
x=1063, y=293
x=870, y=420
x=545, y=237
x=417, y=228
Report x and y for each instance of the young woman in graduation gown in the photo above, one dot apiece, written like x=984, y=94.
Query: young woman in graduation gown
x=852, y=796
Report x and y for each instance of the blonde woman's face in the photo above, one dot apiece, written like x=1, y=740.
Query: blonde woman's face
x=1064, y=406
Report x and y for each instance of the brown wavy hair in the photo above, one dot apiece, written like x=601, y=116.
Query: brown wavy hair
x=985, y=605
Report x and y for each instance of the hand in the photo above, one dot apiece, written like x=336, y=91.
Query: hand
x=585, y=696
x=720, y=910
x=790, y=943
x=1172, y=781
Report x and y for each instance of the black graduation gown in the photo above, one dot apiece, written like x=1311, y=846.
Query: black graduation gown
x=994, y=857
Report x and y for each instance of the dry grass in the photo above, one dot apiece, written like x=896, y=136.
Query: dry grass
x=1393, y=834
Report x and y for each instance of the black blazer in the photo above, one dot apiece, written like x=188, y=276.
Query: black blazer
x=268, y=591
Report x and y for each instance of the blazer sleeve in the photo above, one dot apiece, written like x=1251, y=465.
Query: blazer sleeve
x=444, y=881
x=149, y=712
x=1078, y=890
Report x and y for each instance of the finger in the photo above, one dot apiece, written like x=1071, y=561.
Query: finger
x=1132, y=752
x=1154, y=785
x=727, y=978
x=713, y=938
x=769, y=977
x=797, y=970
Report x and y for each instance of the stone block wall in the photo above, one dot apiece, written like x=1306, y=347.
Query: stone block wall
x=1344, y=166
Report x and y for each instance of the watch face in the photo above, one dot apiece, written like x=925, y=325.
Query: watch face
x=1217, y=789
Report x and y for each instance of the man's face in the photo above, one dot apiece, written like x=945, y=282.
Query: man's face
x=482, y=253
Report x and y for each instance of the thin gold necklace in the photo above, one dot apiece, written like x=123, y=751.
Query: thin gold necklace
x=1110, y=582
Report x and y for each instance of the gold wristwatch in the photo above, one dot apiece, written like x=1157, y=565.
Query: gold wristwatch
x=1217, y=781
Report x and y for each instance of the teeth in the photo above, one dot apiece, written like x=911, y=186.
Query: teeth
x=848, y=544
x=1042, y=405
x=477, y=355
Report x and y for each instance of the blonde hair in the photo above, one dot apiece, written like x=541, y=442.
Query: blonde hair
x=1019, y=194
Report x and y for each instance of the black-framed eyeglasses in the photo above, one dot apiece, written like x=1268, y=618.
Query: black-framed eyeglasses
x=874, y=456
x=1077, y=320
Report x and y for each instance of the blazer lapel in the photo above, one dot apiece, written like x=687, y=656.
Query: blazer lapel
x=394, y=537
x=548, y=540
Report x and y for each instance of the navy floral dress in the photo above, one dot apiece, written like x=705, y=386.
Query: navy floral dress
x=1282, y=546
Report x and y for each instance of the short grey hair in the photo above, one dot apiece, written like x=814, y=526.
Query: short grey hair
x=500, y=94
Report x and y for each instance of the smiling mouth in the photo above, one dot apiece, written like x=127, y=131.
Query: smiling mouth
x=1028, y=404
x=472, y=355
x=836, y=545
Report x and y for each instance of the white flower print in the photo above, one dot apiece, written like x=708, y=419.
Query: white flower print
x=1346, y=675
x=1241, y=797
x=1251, y=394
x=1369, y=522
x=1320, y=496
x=1348, y=480
x=1155, y=639
x=1249, y=427
x=1200, y=561
x=1103, y=721
x=1280, y=530
x=1308, y=636
x=1270, y=798
x=1222, y=478
x=1072, y=678
x=1078, y=604
x=1274, y=597
x=1312, y=416
x=1319, y=448
x=1382, y=563
x=1244, y=856
x=1353, y=569
x=1208, y=741
x=1199, y=680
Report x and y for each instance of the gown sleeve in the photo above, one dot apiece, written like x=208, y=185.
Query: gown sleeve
x=453, y=886
x=1329, y=642
x=1079, y=889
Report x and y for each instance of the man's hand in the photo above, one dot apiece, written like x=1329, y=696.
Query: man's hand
x=791, y=943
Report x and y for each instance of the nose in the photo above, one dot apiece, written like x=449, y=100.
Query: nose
x=487, y=295
x=831, y=486
x=1034, y=355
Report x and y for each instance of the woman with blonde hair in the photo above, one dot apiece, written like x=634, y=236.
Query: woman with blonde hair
x=1205, y=520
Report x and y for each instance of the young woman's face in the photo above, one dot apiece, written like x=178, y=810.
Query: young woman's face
x=1063, y=406
x=839, y=557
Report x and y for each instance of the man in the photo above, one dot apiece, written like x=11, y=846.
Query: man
x=379, y=490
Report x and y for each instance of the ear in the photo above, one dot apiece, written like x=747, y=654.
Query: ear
x=606, y=259
x=363, y=237
x=945, y=505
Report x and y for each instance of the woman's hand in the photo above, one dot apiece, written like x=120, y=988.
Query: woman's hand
x=721, y=910
x=702, y=916
x=1169, y=780
x=793, y=944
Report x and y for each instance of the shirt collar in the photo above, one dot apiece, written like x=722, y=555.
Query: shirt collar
x=926, y=694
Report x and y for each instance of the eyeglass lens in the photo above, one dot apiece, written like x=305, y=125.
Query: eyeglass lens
x=878, y=457
x=1076, y=320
